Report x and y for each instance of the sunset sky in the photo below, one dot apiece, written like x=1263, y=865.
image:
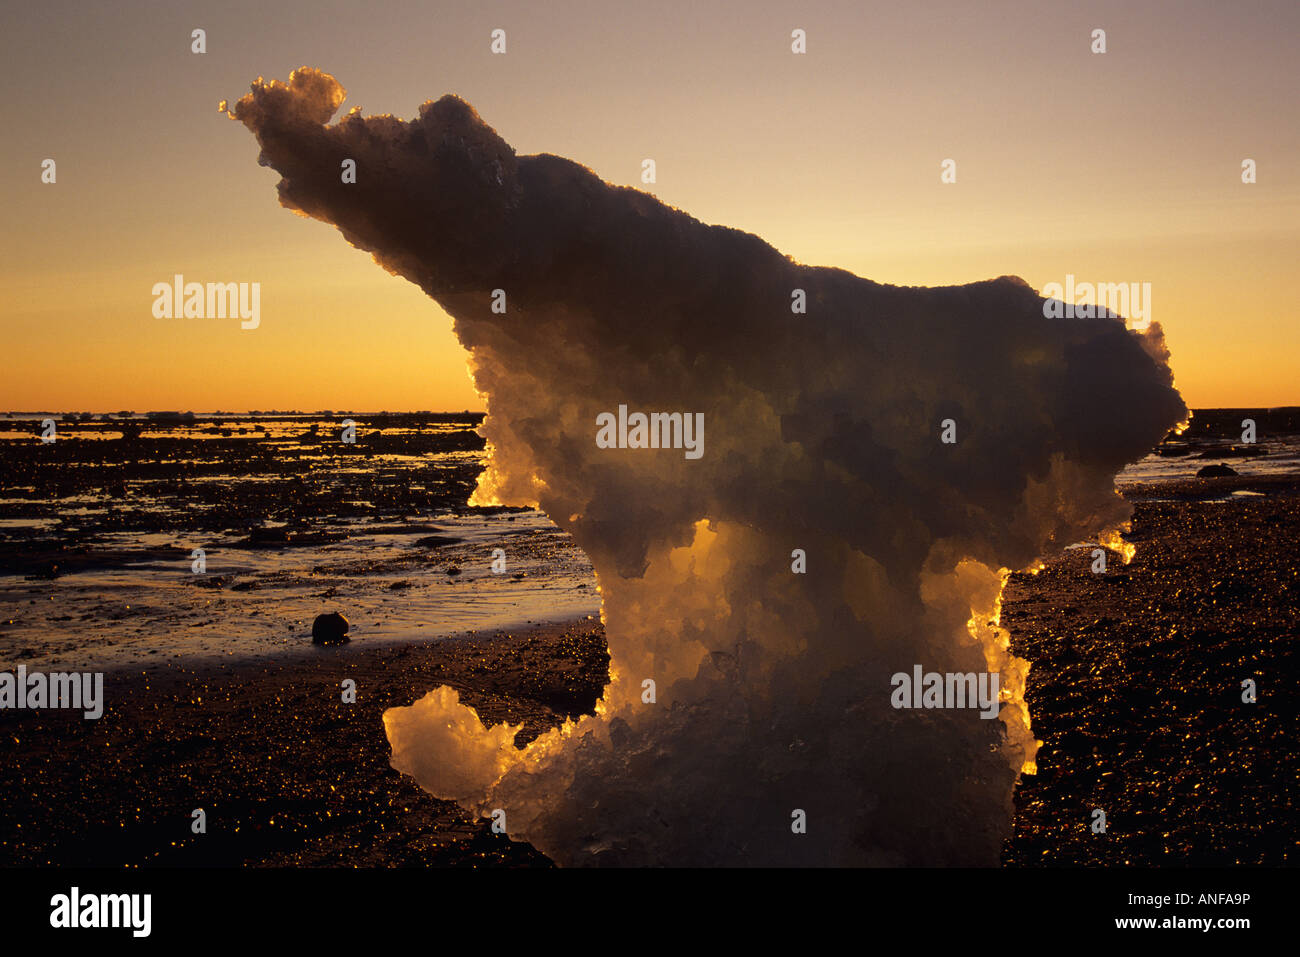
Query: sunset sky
x=1115, y=167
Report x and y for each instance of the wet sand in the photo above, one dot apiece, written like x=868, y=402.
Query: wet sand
x=102, y=532
x=286, y=773
x=1135, y=692
x=273, y=480
x=1136, y=688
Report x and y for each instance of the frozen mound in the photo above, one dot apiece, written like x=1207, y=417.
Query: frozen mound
x=824, y=539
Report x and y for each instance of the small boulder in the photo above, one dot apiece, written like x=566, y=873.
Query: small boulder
x=329, y=629
x=268, y=536
x=1216, y=471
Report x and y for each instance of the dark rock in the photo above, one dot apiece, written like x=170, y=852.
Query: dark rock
x=46, y=571
x=1216, y=471
x=172, y=418
x=1234, y=452
x=329, y=629
x=268, y=536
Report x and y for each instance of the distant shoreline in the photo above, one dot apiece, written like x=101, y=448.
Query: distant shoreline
x=171, y=415
x=228, y=413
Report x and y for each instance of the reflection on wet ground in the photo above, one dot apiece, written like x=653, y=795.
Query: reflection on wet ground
x=123, y=542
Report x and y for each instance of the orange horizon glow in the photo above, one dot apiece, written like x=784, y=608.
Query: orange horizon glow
x=1123, y=167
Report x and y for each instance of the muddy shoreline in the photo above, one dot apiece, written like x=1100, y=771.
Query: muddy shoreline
x=286, y=773
x=1135, y=692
